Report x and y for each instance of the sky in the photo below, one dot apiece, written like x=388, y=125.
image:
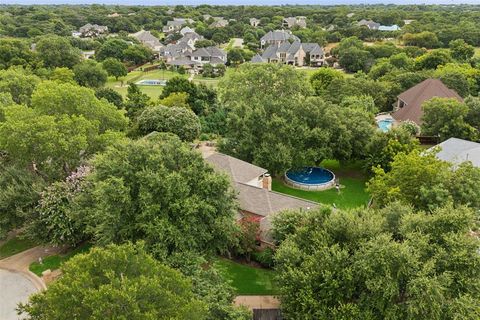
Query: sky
x=236, y=2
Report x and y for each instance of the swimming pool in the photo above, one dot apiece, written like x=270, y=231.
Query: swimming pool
x=150, y=82
x=310, y=178
x=385, y=124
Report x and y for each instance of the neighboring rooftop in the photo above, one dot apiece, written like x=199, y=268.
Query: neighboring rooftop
x=279, y=35
x=457, y=151
x=414, y=97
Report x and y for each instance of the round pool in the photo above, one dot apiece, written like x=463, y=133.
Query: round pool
x=310, y=178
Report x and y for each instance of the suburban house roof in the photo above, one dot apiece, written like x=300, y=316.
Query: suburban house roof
x=417, y=95
x=290, y=49
x=186, y=30
x=219, y=23
x=295, y=21
x=278, y=35
x=257, y=59
x=264, y=202
x=456, y=151
x=372, y=25
x=239, y=170
x=145, y=36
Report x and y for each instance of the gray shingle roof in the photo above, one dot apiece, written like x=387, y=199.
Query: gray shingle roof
x=239, y=170
x=456, y=151
x=279, y=35
x=257, y=59
x=263, y=202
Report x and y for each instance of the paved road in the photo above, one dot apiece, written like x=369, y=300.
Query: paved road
x=14, y=288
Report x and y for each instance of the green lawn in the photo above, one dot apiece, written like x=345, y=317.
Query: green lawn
x=351, y=195
x=153, y=91
x=14, y=246
x=54, y=262
x=247, y=280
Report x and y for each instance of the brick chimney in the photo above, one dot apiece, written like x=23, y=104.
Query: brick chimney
x=267, y=182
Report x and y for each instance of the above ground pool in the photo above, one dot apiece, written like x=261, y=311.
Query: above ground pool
x=310, y=178
x=385, y=124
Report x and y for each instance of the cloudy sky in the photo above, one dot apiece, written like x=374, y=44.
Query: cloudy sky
x=236, y=2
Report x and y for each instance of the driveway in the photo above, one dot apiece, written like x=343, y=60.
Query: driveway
x=17, y=283
x=14, y=288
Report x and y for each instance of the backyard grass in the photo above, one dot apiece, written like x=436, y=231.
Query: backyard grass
x=352, y=193
x=153, y=91
x=54, y=262
x=247, y=280
x=15, y=245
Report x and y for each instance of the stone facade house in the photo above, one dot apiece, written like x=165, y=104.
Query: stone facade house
x=219, y=22
x=176, y=25
x=148, y=39
x=254, y=22
x=277, y=37
x=291, y=22
x=212, y=55
x=296, y=53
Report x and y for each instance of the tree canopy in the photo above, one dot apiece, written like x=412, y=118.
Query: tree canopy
x=393, y=263
x=158, y=190
x=116, y=282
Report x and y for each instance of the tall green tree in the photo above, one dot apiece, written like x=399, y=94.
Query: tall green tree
x=393, y=263
x=425, y=182
x=90, y=74
x=116, y=282
x=159, y=190
x=447, y=118
x=56, y=51
x=177, y=120
x=114, y=68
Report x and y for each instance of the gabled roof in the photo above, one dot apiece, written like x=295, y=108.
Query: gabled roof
x=417, y=95
x=313, y=48
x=279, y=35
x=208, y=52
x=238, y=170
x=257, y=59
x=263, y=202
x=145, y=36
x=457, y=151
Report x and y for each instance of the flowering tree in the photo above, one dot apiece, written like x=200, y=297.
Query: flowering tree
x=56, y=220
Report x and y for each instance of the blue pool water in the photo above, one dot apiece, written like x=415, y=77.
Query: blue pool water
x=385, y=124
x=147, y=82
x=310, y=175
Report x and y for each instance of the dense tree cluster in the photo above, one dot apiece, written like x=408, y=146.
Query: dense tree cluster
x=274, y=121
x=394, y=263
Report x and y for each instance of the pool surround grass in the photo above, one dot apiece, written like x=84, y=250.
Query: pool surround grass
x=246, y=279
x=352, y=193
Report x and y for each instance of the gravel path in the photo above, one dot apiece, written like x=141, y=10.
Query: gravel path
x=258, y=302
